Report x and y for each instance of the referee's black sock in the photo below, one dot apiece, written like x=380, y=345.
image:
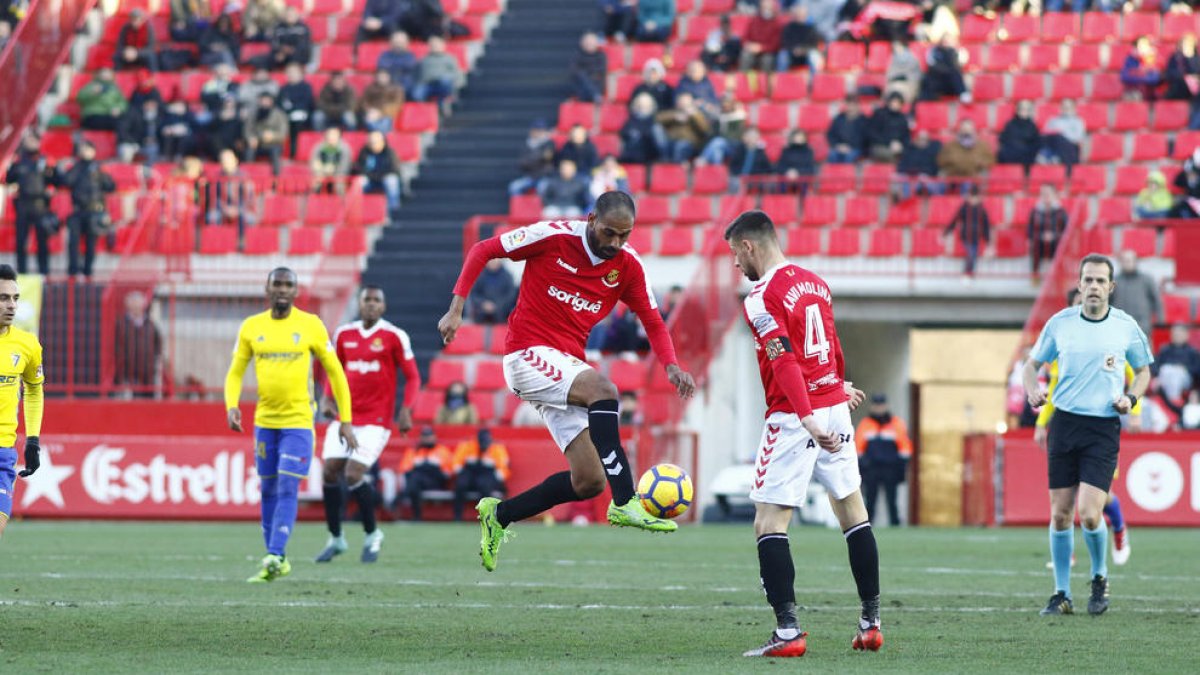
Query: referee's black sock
x=604, y=419
x=555, y=490
x=778, y=575
x=333, y=507
x=364, y=494
x=864, y=564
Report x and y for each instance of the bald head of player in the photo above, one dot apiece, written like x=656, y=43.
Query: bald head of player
x=9, y=294
x=754, y=243
x=371, y=305
x=282, y=287
x=1096, y=284
x=610, y=224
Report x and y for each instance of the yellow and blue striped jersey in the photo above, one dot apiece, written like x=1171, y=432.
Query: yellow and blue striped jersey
x=20, y=363
x=282, y=350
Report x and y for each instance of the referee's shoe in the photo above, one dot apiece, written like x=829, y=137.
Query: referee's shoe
x=1098, y=603
x=1059, y=604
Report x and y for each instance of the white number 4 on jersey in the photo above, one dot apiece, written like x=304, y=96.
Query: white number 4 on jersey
x=815, y=343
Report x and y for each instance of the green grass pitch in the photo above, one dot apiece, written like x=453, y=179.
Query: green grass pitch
x=80, y=597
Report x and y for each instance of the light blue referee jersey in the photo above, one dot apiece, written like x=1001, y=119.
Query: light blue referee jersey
x=1091, y=358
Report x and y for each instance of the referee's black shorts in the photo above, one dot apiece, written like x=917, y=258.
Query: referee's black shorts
x=1082, y=449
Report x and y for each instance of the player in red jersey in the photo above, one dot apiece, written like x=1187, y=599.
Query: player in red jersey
x=807, y=434
x=371, y=350
x=575, y=274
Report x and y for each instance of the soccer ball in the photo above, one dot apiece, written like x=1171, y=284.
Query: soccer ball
x=665, y=491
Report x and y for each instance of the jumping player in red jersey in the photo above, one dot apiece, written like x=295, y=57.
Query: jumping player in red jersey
x=575, y=273
x=808, y=433
x=371, y=350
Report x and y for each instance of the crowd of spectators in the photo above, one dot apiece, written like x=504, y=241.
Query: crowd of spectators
x=477, y=468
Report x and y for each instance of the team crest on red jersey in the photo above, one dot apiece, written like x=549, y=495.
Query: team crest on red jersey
x=377, y=345
x=610, y=279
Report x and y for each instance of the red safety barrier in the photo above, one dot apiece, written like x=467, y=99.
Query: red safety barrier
x=1158, y=481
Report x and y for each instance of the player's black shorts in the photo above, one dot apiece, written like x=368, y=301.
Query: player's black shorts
x=1082, y=449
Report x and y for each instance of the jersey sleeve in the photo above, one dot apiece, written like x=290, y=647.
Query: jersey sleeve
x=1045, y=349
x=1137, y=354
x=33, y=376
x=327, y=390
x=324, y=351
x=638, y=295
x=768, y=320
x=237, y=368
x=520, y=244
x=407, y=360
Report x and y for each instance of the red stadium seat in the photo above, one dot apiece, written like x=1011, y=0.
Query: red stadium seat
x=1028, y=87
x=828, y=87
x=1175, y=26
x=1060, y=27
x=987, y=87
x=879, y=56
x=837, y=178
x=607, y=144
x=468, y=340
x=481, y=6
x=643, y=52
x=942, y=210
x=731, y=205
x=1011, y=244
x=716, y=6
x=1114, y=211
x=744, y=89
x=628, y=375
x=484, y=403
x=975, y=29
x=1140, y=240
x=428, y=402
x=626, y=83
x=1002, y=58
x=668, y=179
x=1177, y=308
x=885, y=243
x=814, y=118
x=443, y=373
x=1130, y=180
x=653, y=210
x=1100, y=27
x=904, y=214
x=933, y=117
x=790, y=86
x=218, y=240
x=1066, y=86
x=325, y=210
x=415, y=116
x=261, y=241
x=636, y=175
x=1043, y=58
x=819, y=210
x=696, y=28
x=802, y=242
x=524, y=209
x=677, y=241
x=1186, y=142
x=781, y=208
x=496, y=343
x=1089, y=179
x=927, y=243
x=489, y=375
x=642, y=239
x=306, y=240
x=710, y=179
x=861, y=211
x=571, y=113
x=694, y=210
x=773, y=117
x=843, y=243
x=1171, y=115
x=877, y=178
x=280, y=210
x=1137, y=24
x=1005, y=178
x=1094, y=115
x=348, y=241
x=612, y=117
x=1106, y=147
x=335, y=57
x=1168, y=248
x=1047, y=174
x=1149, y=147
x=844, y=57
x=1131, y=116
x=1107, y=87
x=1020, y=29
x=1083, y=58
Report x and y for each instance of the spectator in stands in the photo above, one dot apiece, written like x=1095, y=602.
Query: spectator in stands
x=631, y=415
x=380, y=169
x=884, y=450
x=230, y=195
x=655, y=19
x=973, y=227
x=824, y=16
x=1188, y=182
x=492, y=297
x=797, y=163
x=439, y=75
x=620, y=18
x=481, y=470
x=696, y=83
x=1183, y=71
x=1047, y=223
x=89, y=219
x=564, y=195
x=1140, y=73
x=1137, y=293
x=917, y=169
x=145, y=89
x=266, y=129
x=1020, y=139
x=643, y=140
x=672, y=302
x=748, y=158
x=380, y=19
x=382, y=95
x=331, y=162
x=722, y=48
x=903, y=73
x=261, y=17
x=336, y=104
x=426, y=467
x=140, y=133
x=101, y=102
x=799, y=43
x=731, y=122
x=137, y=349
x=623, y=333
x=220, y=43
x=537, y=159
x=136, y=44
x=189, y=18
x=456, y=409
x=291, y=41
x=178, y=131
x=425, y=19
x=887, y=130
x=1176, y=368
x=1155, y=200
x=221, y=87
x=32, y=175
x=943, y=72
x=252, y=90
x=1064, y=135
x=653, y=84
x=298, y=101
x=399, y=62
x=965, y=157
x=847, y=133
x=687, y=128
x=761, y=41
x=607, y=177
x=579, y=149
x=589, y=70
x=227, y=130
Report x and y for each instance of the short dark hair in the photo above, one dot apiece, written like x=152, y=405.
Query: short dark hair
x=751, y=225
x=282, y=270
x=1099, y=260
x=371, y=287
x=7, y=273
x=614, y=201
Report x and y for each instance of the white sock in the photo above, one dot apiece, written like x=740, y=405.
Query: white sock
x=787, y=633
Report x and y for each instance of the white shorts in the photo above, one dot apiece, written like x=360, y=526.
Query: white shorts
x=372, y=439
x=543, y=376
x=788, y=458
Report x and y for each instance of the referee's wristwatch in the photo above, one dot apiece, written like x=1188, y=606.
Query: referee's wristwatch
x=1132, y=401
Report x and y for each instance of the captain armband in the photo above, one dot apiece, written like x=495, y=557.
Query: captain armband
x=776, y=347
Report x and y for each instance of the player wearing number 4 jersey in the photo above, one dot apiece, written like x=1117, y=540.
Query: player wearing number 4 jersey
x=574, y=275
x=808, y=433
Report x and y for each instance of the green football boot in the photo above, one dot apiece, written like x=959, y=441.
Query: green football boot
x=493, y=534
x=273, y=567
x=633, y=514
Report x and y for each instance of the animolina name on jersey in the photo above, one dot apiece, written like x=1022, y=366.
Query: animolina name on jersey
x=802, y=288
x=576, y=301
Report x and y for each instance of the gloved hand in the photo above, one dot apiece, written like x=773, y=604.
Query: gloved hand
x=32, y=457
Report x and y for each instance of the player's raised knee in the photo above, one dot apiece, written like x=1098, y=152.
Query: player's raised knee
x=591, y=387
x=587, y=486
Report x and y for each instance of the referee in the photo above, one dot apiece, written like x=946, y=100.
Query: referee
x=1092, y=343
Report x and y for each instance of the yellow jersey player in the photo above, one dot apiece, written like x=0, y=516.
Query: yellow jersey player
x=21, y=363
x=282, y=342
